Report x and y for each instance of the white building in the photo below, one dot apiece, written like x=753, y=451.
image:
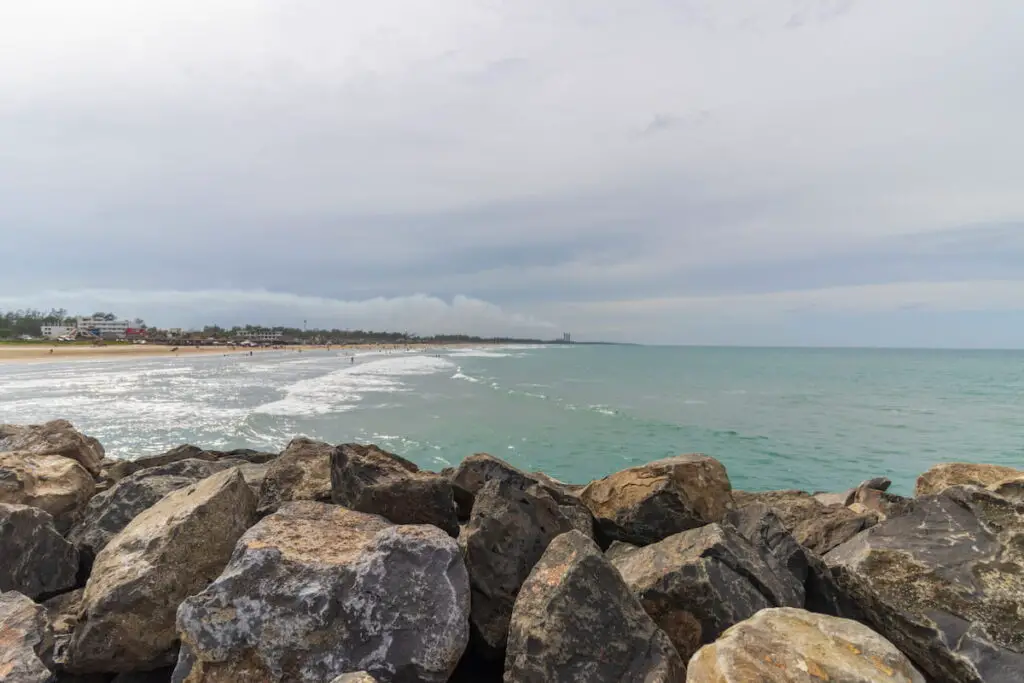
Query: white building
x=263, y=335
x=56, y=331
x=104, y=328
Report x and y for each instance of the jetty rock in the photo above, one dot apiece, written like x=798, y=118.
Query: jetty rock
x=26, y=641
x=57, y=437
x=166, y=553
x=35, y=559
x=53, y=483
x=786, y=645
x=301, y=472
x=816, y=526
x=645, y=504
x=949, y=474
x=576, y=620
x=697, y=583
x=510, y=528
x=116, y=470
x=945, y=583
x=110, y=511
x=356, y=677
x=314, y=591
x=368, y=479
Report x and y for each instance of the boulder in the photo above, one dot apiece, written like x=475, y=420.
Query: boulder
x=785, y=645
x=58, y=437
x=944, y=582
x=1012, y=489
x=53, y=483
x=313, y=591
x=301, y=472
x=645, y=504
x=511, y=526
x=617, y=549
x=697, y=583
x=962, y=474
x=367, y=479
x=110, y=511
x=815, y=526
x=847, y=497
x=119, y=469
x=759, y=524
x=576, y=620
x=62, y=613
x=478, y=469
x=254, y=474
x=35, y=559
x=25, y=640
x=166, y=553
x=357, y=677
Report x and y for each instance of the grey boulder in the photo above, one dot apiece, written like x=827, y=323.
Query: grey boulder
x=368, y=479
x=698, y=583
x=301, y=472
x=35, y=559
x=944, y=582
x=53, y=483
x=815, y=526
x=57, y=437
x=25, y=640
x=576, y=620
x=313, y=591
x=356, y=677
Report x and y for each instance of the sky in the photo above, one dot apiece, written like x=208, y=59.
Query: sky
x=780, y=172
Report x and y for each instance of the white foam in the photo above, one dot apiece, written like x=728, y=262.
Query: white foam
x=464, y=377
x=603, y=409
x=479, y=353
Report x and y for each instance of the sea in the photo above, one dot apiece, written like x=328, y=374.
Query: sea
x=812, y=419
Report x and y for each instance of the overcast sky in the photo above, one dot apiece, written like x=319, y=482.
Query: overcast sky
x=665, y=171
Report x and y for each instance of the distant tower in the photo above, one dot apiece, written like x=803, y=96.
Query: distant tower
x=567, y=338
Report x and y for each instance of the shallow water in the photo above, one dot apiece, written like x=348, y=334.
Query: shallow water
x=815, y=419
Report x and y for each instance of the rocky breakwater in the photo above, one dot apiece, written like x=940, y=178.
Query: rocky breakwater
x=345, y=563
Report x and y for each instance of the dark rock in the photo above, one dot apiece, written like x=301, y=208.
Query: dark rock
x=313, y=591
x=110, y=511
x=478, y=469
x=645, y=504
x=36, y=560
x=122, y=468
x=168, y=552
x=249, y=455
x=357, y=677
x=25, y=640
x=162, y=675
x=575, y=620
x=511, y=526
x=62, y=613
x=785, y=645
x=301, y=472
x=949, y=474
x=617, y=549
x=944, y=582
x=698, y=583
x=815, y=526
x=367, y=479
x=53, y=483
x=57, y=437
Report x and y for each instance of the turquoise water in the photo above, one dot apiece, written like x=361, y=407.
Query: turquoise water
x=777, y=418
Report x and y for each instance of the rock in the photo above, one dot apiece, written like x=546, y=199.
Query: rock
x=367, y=479
x=25, y=640
x=110, y=511
x=944, y=582
x=36, y=559
x=168, y=552
x=301, y=472
x=53, y=483
x=62, y=614
x=162, y=675
x=254, y=474
x=866, y=500
x=575, y=620
x=697, y=583
x=815, y=526
x=253, y=457
x=847, y=497
x=57, y=437
x=963, y=473
x=511, y=526
x=1012, y=489
x=357, y=677
x=617, y=549
x=785, y=645
x=120, y=469
x=759, y=524
x=314, y=591
x=645, y=504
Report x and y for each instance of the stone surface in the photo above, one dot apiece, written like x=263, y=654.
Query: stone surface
x=34, y=558
x=785, y=645
x=961, y=474
x=697, y=583
x=62, y=613
x=53, y=483
x=313, y=591
x=357, y=677
x=759, y=524
x=25, y=640
x=511, y=525
x=168, y=552
x=945, y=583
x=575, y=620
x=815, y=526
x=618, y=549
x=368, y=479
x=118, y=469
x=645, y=504
x=301, y=472
x=110, y=511
x=57, y=437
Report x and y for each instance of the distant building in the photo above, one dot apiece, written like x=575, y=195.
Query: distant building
x=262, y=335
x=567, y=338
x=57, y=331
x=100, y=327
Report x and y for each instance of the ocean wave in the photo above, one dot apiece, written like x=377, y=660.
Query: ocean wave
x=603, y=409
x=478, y=353
x=464, y=377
